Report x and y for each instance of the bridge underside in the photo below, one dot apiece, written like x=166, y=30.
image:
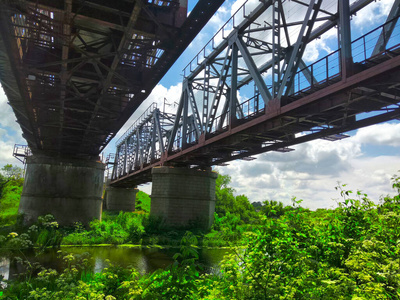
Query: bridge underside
x=75, y=71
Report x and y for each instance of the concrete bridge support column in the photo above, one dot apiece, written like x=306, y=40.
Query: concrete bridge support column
x=69, y=189
x=182, y=196
x=121, y=199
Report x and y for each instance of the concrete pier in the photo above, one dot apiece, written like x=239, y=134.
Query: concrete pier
x=120, y=199
x=183, y=196
x=69, y=189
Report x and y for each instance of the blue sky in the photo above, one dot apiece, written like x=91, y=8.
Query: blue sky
x=366, y=161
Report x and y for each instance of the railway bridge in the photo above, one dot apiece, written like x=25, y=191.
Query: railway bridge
x=74, y=71
x=256, y=87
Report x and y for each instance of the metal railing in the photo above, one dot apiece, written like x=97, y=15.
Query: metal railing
x=21, y=152
x=147, y=113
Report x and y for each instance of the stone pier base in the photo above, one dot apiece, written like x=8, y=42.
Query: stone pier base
x=183, y=196
x=120, y=199
x=69, y=189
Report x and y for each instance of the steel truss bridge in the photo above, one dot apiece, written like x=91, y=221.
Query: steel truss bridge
x=249, y=90
x=74, y=71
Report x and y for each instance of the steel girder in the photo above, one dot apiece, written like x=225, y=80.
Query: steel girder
x=74, y=71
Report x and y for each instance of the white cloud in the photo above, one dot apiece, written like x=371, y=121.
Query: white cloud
x=387, y=134
x=10, y=132
x=159, y=93
x=312, y=171
x=314, y=48
x=373, y=14
x=7, y=117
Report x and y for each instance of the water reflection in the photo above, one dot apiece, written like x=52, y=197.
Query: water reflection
x=4, y=271
x=144, y=260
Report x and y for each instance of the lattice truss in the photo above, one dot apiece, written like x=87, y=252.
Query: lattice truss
x=263, y=59
x=248, y=89
x=144, y=142
x=82, y=64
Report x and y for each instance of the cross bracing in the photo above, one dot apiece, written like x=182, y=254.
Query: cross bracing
x=144, y=142
x=74, y=71
x=257, y=87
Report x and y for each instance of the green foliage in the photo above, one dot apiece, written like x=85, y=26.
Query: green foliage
x=45, y=233
x=227, y=202
x=9, y=202
x=113, y=229
x=12, y=172
x=273, y=209
x=76, y=281
x=351, y=252
x=179, y=280
x=142, y=202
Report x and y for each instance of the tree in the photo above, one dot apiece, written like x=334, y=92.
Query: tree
x=226, y=201
x=273, y=209
x=12, y=172
x=3, y=181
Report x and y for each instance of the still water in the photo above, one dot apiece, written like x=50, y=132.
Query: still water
x=145, y=260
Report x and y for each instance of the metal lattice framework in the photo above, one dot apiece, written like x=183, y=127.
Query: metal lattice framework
x=75, y=70
x=144, y=142
x=256, y=92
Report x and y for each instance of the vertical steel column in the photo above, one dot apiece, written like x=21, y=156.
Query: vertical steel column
x=195, y=111
x=137, y=158
x=176, y=124
x=141, y=146
x=125, y=157
x=233, y=89
x=129, y=158
x=185, y=116
x=345, y=38
x=153, y=138
x=159, y=130
x=219, y=89
x=114, y=174
x=276, y=48
x=206, y=95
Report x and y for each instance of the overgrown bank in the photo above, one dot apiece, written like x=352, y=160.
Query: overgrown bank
x=352, y=252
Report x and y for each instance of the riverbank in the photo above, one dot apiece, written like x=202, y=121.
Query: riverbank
x=351, y=252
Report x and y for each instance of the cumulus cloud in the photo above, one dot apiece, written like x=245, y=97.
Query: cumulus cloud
x=159, y=93
x=10, y=132
x=312, y=171
x=372, y=14
x=386, y=134
x=7, y=117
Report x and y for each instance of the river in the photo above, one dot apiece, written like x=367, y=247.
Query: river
x=143, y=259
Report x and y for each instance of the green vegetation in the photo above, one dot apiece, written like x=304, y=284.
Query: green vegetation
x=142, y=202
x=11, y=183
x=280, y=252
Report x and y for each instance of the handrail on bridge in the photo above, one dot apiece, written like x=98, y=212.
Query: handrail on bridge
x=148, y=112
x=212, y=40
x=21, y=152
